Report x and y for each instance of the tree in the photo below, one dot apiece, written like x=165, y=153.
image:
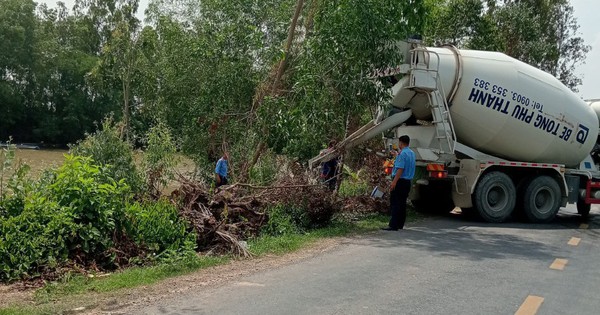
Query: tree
x=46, y=57
x=67, y=106
x=206, y=68
x=456, y=22
x=119, y=37
x=328, y=84
x=120, y=55
x=17, y=42
x=539, y=32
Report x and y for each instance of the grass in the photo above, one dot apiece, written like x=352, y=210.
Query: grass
x=290, y=242
x=59, y=296
x=128, y=278
x=71, y=291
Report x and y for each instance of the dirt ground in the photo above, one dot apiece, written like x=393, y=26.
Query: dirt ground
x=41, y=160
x=10, y=294
x=128, y=300
x=215, y=276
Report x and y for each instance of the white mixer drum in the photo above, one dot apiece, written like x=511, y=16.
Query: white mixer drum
x=595, y=104
x=509, y=109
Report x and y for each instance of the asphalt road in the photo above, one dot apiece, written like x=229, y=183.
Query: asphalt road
x=442, y=265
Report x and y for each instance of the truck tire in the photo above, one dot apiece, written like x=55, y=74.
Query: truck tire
x=541, y=200
x=435, y=198
x=583, y=208
x=495, y=197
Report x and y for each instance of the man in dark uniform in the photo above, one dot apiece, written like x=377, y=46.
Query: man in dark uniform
x=402, y=174
x=329, y=168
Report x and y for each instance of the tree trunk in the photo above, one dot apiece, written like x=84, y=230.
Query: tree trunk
x=272, y=90
x=288, y=45
x=126, y=91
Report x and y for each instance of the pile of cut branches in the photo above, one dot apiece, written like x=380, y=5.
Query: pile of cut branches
x=373, y=165
x=318, y=202
x=223, y=220
x=220, y=220
x=361, y=205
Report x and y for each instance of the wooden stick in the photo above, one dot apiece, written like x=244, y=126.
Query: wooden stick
x=270, y=187
x=278, y=187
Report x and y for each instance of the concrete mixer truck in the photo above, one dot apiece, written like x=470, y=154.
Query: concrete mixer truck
x=492, y=135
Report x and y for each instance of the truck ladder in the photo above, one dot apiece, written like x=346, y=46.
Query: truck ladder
x=426, y=80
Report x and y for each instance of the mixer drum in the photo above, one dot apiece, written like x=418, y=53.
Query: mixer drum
x=506, y=108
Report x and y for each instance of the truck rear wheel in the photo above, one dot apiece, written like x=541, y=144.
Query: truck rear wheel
x=495, y=197
x=434, y=198
x=541, y=200
x=583, y=208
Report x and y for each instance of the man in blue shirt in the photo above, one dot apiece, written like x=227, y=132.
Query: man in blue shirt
x=221, y=171
x=402, y=174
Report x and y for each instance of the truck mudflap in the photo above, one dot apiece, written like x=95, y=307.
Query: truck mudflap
x=592, y=191
x=588, y=196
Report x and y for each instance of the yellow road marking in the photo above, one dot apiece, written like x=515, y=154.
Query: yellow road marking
x=559, y=264
x=530, y=306
x=574, y=241
x=584, y=226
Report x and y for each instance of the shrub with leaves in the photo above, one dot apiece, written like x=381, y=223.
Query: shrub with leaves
x=285, y=219
x=6, y=164
x=14, y=184
x=160, y=159
x=79, y=214
x=107, y=149
x=35, y=239
x=94, y=199
x=354, y=184
x=76, y=213
x=158, y=227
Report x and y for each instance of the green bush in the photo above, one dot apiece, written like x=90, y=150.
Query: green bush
x=14, y=184
x=73, y=214
x=7, y=159
x=157, y=226
x=94, y=199
x=353, y=184
x=160, y=159
x=107, y=149
x=79, y=213
x=17, y=187
x=265, y=170
x=285, y=219
x=35, y=238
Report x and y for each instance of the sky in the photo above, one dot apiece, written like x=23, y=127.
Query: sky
x=586, y=12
